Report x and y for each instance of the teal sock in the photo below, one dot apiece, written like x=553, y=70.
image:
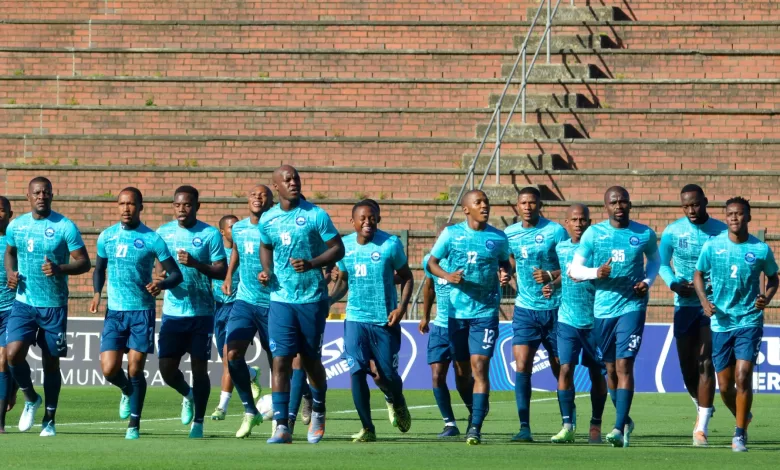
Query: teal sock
x=481, y=402
x=624, y=399
x=362, y=398
x=566, y=402
x=442, y=396
x=523, y=397
x=296, y=392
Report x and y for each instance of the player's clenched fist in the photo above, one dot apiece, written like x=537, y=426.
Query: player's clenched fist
x=605, y=270
x=13, y=280
x=263, y=278
x=455, y=277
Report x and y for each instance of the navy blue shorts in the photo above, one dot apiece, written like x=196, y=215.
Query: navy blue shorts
x=573, y=341
x=366, y=341
x=688, y=321
x=245, y=320
x=438, y=344
x=620, y=337
x=3, y=321
x=473, y=336
x=129, y=329
x=221, y=317
x=742, y=344
x=182, y=335
x=45, y=326
x=535, y=327
x=297, y=328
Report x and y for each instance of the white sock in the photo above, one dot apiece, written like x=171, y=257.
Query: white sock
x=704, y=419
x=695, y=401
x=224, y=400
x=252, y=374
x=450, y=424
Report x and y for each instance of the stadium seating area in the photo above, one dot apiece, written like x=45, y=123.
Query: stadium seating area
x=387, y=100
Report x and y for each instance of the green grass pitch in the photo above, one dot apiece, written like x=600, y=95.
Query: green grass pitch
x=90, y=435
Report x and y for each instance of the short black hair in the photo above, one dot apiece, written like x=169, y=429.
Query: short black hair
x=374, y=203
x=692, y=188
x=5, y=202
x=224, y=219
x=366, y=203
x=131, y=189
x=739, y=200
x=40, y=179
x=186, y=189
x=530, y=190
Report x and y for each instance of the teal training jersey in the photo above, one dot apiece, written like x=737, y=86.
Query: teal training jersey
x=7, y=296
x=534, y=247
x=371, y=272
x=130, y=254
x=217, y=284
x=193, y=297
x=246, y=239
x=442, y=289
x=681, y=245
x=300, y=233
x=627, y=247
x=477, y=254
x=735, y=273
x=35, y=240
x=576, y=297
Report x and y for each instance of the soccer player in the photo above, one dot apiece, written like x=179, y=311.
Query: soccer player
x=7, y=389
x=373, y=326
x=250, y=311
x=734, y=261
x=297, y=240
x=619, y=247
x=188, y=309
x=39, y=247
x=575, y=333
x=225, y=295
x=681, y=244
x=127, y=250
x=439, y=355
x=532, y=243
x=474, y=251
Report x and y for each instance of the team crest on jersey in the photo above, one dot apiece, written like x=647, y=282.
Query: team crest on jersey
x=138, y=243
x=539, y=239
x=300, y=221
x=197, y=242
x=49, y=232
x=490, y=245
x=750, y=258
x=634, y=241
x=375, y=257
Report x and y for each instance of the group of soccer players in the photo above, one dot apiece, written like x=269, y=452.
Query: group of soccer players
x=582, y=290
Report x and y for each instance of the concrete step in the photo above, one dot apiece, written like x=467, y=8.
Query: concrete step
x=501, y=194
x=566, y=42
x=516, y=161
x=576, y=13
x=531, y=131
x=555, y=71
x=543, y=101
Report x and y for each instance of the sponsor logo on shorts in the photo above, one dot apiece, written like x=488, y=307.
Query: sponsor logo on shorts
x=138, y=243
x=350, y=361
x=49, y=232
x=272, y=345
x=634, y=241
x=197, y=242
x=750, y=257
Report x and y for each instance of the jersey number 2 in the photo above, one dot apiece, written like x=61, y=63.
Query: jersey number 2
x=733, y=271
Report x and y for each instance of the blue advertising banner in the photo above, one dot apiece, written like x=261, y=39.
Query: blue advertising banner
x=657, y=368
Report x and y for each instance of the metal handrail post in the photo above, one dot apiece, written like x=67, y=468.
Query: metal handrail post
x=498, y=145
x=549, y=31
x=523, y=86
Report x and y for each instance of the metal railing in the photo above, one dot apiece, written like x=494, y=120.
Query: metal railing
x=495, y=118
